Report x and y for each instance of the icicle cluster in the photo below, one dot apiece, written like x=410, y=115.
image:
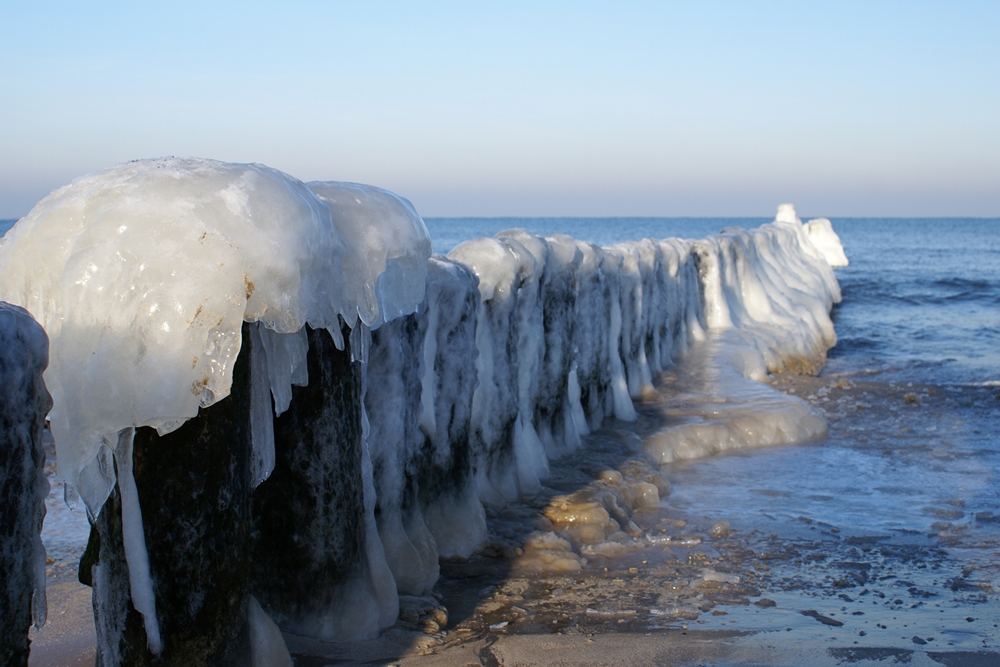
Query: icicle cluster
x=566, y=334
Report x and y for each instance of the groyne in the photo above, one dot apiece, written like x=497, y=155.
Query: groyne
x=286, y=367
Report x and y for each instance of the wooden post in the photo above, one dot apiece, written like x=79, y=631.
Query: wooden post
x=24, y=402
x=194, y=487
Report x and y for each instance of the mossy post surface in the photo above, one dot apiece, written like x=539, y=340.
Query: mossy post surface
x=24, y=402
x=309, y=515
x=194, y=488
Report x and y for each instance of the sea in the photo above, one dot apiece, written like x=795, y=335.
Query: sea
x=889, y=525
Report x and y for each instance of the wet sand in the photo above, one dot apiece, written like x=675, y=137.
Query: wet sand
x=879, y=544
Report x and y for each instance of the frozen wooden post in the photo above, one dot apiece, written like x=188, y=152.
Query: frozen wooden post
x=194, y=487
x=318, y=567
x=24, y=402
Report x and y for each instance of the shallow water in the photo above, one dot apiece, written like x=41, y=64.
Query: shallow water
x=921, y=299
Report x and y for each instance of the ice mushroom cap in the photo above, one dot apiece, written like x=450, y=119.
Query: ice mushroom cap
x=142, y=276
x=388, y=246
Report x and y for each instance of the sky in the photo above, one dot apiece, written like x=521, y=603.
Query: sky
x=523, y=109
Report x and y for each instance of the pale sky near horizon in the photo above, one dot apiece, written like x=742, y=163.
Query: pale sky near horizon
x=523, y=109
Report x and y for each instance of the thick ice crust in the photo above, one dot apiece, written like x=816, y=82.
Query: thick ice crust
x=387, y=247
x=143, y=273
x=524, y=344
x=568, y=333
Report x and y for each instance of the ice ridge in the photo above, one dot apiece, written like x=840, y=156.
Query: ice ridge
x=477, y=368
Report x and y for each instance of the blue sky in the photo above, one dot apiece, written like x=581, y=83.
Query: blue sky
x=707, y=108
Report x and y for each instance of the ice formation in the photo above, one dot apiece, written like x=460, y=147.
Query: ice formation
x=386, y=248
x=822, y=236
x=712, y=402
x=408, y=390
x=731, y=307
x=143, y=275
x=23, y=486
x=447, y=491
x=500, y=472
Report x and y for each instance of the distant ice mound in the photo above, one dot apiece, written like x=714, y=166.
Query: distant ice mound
x=143, y=274
x=821, y=235
x=767, y=294
x=775, y=287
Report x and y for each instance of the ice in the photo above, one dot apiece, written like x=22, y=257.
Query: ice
x=545, y=553
x=634, y=317
x=142, y=275
x=286, y=363
x=392, y=404
x=387, y=249
x=621, y=404
x=267, y=646
x=261, y=411
x=495, y=400
x=143, y=598
x=594, y=521
x=821, y=235
x=476, y=369
x=772, y=284
x=452, y=510
x=532, y=254
x=744, y=303
x=23, y=485
x=559, y=415
x=767, y=295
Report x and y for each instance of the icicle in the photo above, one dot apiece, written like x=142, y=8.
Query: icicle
x=141, y=583
x=381, y=576
x=361, y=341
x=70, y=496
x=337, y=335
x=267, y=646
x=286, y=363
x=573, y=393
x=261, y=412
x=623, y=407
x=428, y=420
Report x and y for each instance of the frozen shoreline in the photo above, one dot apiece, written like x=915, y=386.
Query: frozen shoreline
x=563, y=336
x=513, y=608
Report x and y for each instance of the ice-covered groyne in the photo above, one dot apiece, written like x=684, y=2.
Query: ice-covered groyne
x=24, y=402
x=338, y=404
